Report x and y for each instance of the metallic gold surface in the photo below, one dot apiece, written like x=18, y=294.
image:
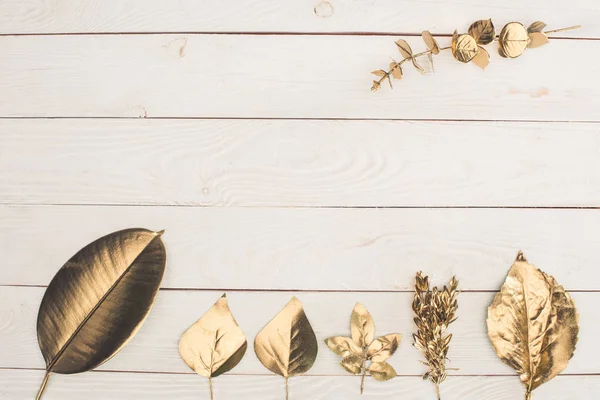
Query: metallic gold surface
x=435, y=309
x=533, y=325
x=287, y=345
x=512, y=42
x=361, y=348
x=215, y=344
x=98, y=300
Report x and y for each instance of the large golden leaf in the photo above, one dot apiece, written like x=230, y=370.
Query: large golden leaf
x=533, y=324
x=513, y=40
x=98, y=300
x=362, y=326
x=464, y=47
x=287, y=345
x=483, y=31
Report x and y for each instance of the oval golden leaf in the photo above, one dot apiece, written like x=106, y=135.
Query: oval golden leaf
x=483, y=31
x=404, y=48
x=215, y=343
x=382, y=371
x=98, y=300
x=537, y=26
x=482, y=59
x=362, y=326
x=384, y=347
x=287, y=345
x=343, y=346
x=430, y=42
x=537, y=39
x=396, y=70
x=352, y=364
x=464, y=47
x=513, y=40
x=533, y=324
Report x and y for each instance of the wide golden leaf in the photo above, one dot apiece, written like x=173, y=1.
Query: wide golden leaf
x=430, y=42
x=362, y=326
x=533, y=324
x=353, y=364
x=464, y=47
x=483, y=31
x=98, y=300
x=404, y=48
x=537, y=39
x=214, y=344
x=513, y=40
x=343, y=346
x=287, y=345
x=384, y=347
x=382, y=371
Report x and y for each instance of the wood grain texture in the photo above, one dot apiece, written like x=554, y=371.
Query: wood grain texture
x=123, y=386
x=82, y=16
x=285, y=77
x=155, y=348
x=314, y=249
x=299, y=163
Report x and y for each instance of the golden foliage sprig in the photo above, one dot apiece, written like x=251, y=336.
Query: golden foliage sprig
x=435, y=309
x=362, y=347
x=513, y=39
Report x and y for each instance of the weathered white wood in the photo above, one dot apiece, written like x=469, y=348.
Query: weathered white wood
x=120, y=386
x=299, y=163
x=155, y=347
x=338, y=249
x=285, y=77
x=54, y=16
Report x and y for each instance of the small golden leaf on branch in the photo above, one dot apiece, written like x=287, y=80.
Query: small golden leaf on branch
x=362, y=348
x=379, y=72
x=537, y=39
x=483, y=31
x=464, y=47
x=537, y=26
x=533, y=325
x=482, y=59
x=430, y=42
x=396, y=70
x=404, y=48
x=513, y=40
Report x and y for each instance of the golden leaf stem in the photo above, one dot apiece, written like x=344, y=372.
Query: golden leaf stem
x=210, y=387
x=364, y=370
x=43, y=386
x=389, y=73
x=287, y=388
x=528, y=396
x=570, y=28
x=437, y=390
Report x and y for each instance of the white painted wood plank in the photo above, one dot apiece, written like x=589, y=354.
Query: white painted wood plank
x=299, y=163
x=20, y=385
x=284, y=77
x=34, y=16
x=155, y=347
x=336, y=249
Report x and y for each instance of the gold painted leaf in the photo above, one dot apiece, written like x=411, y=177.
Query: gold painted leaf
x=352, y=364
x=342, y=346
x=430, y=42
x=483, y=31
x=482, y=59
x=287, y=345
x=537, y=39
x=382, y=371
x=384, y=347
x=362, y=326
x=537, y=26
x=396, y=70
x=215, y=344
x=404, y=48
x=464, y=47
x=379, y=72
x=513, y=40
x=533, y=324
x=99, y=299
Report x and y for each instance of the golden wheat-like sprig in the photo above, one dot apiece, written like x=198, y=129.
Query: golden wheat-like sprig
x=512, y=42
x=435, y=309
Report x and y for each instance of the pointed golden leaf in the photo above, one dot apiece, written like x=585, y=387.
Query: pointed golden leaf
x=352, y=364
x=395, y=70
x=537, y=26
x=482, y=59
x=483, y=31
x=537, y=39
x=343, y=346
x=287, y=345
x=533, y=324
x=362, y=326
x=379, y=73
x=513, y=40
x=464, y=47
x=384, y=347
x=404, y=48
x=430, y=42
x=214, y=344
x=382, y=371
x=98, y=300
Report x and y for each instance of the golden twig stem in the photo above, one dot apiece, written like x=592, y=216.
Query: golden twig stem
x=528, y=396
x=364, y=371
x=43, y=386
x=210, y=387
x=389, y=73
x=287, y=388
x=570, y=28
x=437, y=390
